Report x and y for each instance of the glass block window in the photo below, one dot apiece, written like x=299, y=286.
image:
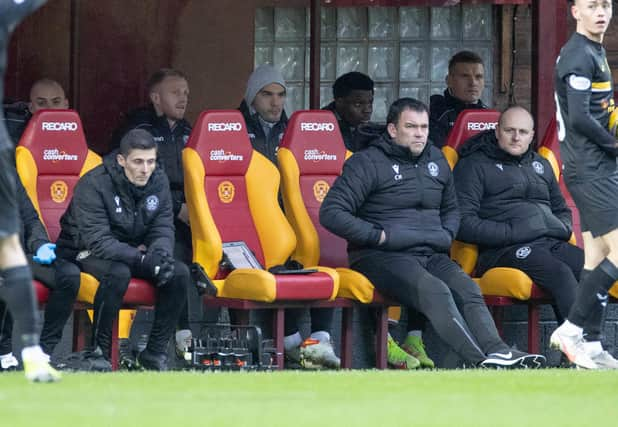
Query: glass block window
x=404, y=50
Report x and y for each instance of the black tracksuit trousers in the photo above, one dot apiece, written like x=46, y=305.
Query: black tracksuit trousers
x=62, y=278
x=114, y=277
x=552, y=264
x=436, y=287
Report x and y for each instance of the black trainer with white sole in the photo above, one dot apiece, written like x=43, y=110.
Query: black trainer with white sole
x=513, y=359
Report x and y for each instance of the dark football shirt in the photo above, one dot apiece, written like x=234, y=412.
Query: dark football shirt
x=584, y=97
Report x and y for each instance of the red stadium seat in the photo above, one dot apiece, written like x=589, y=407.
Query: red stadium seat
x=311, y=157
x=51, y=157
x=549, y=148
x=468, y=124
x=231, y=193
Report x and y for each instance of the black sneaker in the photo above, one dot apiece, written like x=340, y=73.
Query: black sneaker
x=513, y=359
x=85, y=361
x=152, y=361
x=126, y=355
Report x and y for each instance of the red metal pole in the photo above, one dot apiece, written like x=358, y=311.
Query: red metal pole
x=314, y=55
x=549, y=32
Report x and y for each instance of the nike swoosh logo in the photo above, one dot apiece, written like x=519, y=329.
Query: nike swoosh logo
x=602, y=297
x=503, y=355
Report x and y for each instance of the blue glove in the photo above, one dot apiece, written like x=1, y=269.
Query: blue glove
x=45, y=254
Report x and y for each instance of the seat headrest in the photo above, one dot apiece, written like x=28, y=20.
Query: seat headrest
x=469, y=123
x=314, y=138
x=550, y=138
x=57, y=142
x=220, y=138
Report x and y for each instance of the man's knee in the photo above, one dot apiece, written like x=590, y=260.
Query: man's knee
x=465, y=290
x=68, y=277
x=432, y=293
x=117, y=278
x=181, y=280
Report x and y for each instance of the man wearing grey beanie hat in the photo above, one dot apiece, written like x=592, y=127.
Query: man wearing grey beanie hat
x=263, y=110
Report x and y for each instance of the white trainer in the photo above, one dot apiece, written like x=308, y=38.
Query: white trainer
x=604, y=360
x=37, y=367
x=573, y=347
x=318, y=354
x=8, y=362
x=184, y=342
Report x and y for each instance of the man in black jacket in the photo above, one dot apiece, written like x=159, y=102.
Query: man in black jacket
x=60, y=276
x=44, y=94
x=395, y=204
x=464, y=87
x=120, y=225
x=352, y=105
x=512, y=208
x=168, y=92
x=15, y=277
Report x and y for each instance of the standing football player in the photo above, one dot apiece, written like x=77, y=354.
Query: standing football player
x=15, y=278
x=585, y=100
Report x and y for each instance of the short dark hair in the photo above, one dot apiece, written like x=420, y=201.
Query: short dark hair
x=136, y=139
x=397, y=107
x=160, y=75
x=348, y=82
x=465, y=57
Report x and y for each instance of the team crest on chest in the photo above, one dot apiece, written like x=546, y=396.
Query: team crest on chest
x=152, y=203
x=523, y=252
x=433, y=168
x=538, y=167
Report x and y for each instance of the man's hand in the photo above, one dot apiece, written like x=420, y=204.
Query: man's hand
x=45, y=254
x=159, y=265
x=183, y=215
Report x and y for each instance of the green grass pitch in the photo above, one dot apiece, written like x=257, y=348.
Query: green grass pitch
x=553, y=397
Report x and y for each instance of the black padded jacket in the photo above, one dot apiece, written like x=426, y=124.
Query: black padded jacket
x=170, y=142
x=111, y=217
x=443, y=111
x=266, y=146
x=33, y=233
x=506, y=200
x=385, y=187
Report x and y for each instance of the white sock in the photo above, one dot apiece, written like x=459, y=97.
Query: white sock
x=321, y=336
x=4, y=356
x=570, y=329
x=593, y=347
x=292, y=341
x=415, y=333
